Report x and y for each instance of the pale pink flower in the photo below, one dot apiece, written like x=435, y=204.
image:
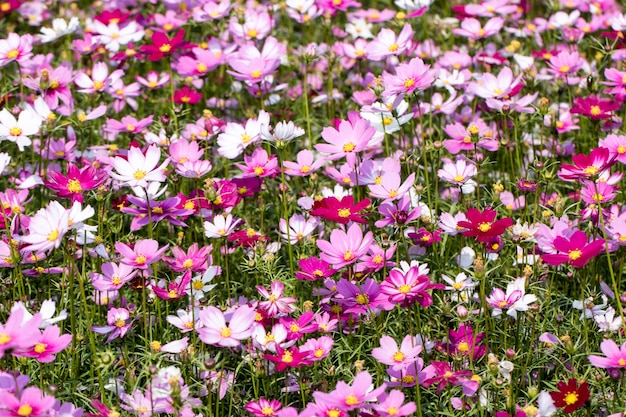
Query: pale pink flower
x=344, y=248
x=216, y=332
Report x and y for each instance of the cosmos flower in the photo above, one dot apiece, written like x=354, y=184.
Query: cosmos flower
x=570, y=395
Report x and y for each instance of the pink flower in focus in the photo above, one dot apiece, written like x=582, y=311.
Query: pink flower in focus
x=50, y=342
x=345, y=248
x=398, y=358
x=275, y=302
x=216, y=332
x=615, y=356
x=576, y=250
x=31, y=403
x=144, y=253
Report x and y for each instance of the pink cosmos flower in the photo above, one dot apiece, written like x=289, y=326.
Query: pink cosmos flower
x=406, y=287
x=216, y=332
x=99, y=80
x=458, y=172
x=288, y=358
x=257, y=24
x=129, y=124
x=263, y=407
x=222, y=226
x=397, y=212
x=313, y=268
x=259, y=164
x=113, y=276
x=476, y=134
x=298, y=228
x=345, y=248
x=390, y=187
x=18, y=333
x=195, y=259
x=513, y=301
x=48, y=344
x=118, y=324
x=275, y=302
x=392, y=405
x=351, y=137
x=144, y=253
x=153, y=79
x=398, y=358
x=31, y=403
x=615, y=355
x=575, y=250
x=163, y=46
x=252, y=65
x=388, y=44
x=409, y=77
x=616, y=144
x=350, y=397
x=15, y=48
x=503, y=85
x=565, y=63
x=319, y=348
x=472, y=29
x=306, y=164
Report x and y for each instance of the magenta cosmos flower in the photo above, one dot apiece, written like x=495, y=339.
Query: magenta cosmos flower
x=50, y=342
x=615, y=356
x=405, y=288
x=576, y=250
x=217, y=332
x=76, y=182
x=482, y=225
x=345, y=248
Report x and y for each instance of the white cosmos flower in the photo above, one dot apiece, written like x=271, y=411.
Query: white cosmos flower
x=18, y=130
x=140, y=170
x=59, y=28
x=221, y=226
x=47, y=228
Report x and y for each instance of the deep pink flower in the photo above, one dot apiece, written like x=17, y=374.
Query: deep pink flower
x=313, y=268
x=175, y=289
x=76, y=182
x=162, y=45
x=187, y=95
x=482, y=225
x=297, y=328
x=444, y=375
x=392, y=405
x=408, y=287
x=594, y=107
x=118, y=324
x=587, y=166
x=195, y=260
x=576, y=250
x=288, y=358
x=340, y=211
x=409, y=77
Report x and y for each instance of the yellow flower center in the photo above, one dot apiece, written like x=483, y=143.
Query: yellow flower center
x=294, y=328
x=392, y=411
x=267, y=411
x=362, y=299
x=394, y=47
x=393, y=193
x=119, y=323
x=575, y=254
x=352, y=399
x=287, y=357
x=502, y=304
x=116, y=280
x=595, y=110
x=408, y=83
x=25, y=410
x=344, y=212
x=139, y=174
x=348, y=256
x=252, y=33
x=140, y=260
x=571, y=398
x=13, y=53
x=256, y=74
x=259, y=171
x=458, y=178
x=130, y=128
x=590, y=170
x=40, y=347
x=620, y=362
x=463, y=347
x=349, y=147
x=165, y=48
x=53, y=235
x=172, y=294
x=15, y=131
x=404, y=288
x=484, y=227
x=5, y=338
x=319, y=352
x=98, y=85
x=598, y=198
x=226, y=332
x=398, y=356
x=564, y=69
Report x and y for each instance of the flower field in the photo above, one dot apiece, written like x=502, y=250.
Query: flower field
x=312, y=208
